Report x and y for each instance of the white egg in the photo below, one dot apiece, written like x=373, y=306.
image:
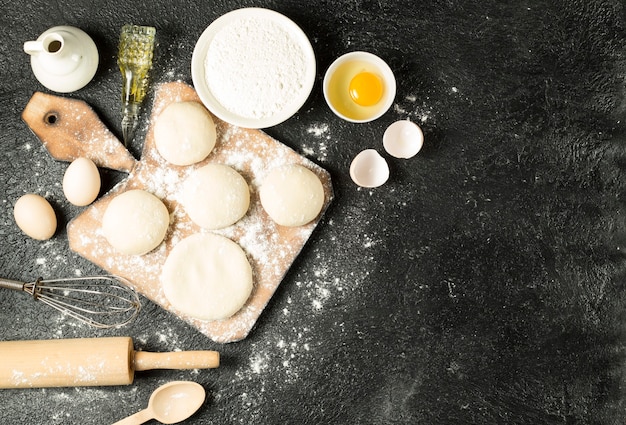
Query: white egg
x=403, y=139
x=35, y=217
x=81, y=182
x=369, y=169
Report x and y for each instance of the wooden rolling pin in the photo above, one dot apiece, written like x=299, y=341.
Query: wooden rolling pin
x=87, y=362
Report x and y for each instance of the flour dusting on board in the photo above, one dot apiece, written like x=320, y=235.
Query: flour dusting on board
x=270, y=248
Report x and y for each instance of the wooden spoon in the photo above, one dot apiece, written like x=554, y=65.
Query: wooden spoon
x=169, y=404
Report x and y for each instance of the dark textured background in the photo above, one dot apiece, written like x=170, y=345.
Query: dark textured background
x=483, y=284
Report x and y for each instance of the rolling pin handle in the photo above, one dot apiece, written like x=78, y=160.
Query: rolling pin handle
x=142, y=360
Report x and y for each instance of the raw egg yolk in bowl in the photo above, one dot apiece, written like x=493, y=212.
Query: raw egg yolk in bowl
x=359, y=87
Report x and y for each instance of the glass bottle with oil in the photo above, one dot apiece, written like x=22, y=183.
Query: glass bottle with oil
x=136, y=50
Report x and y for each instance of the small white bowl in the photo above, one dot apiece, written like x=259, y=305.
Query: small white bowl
x=337, y=80
x=255, y=18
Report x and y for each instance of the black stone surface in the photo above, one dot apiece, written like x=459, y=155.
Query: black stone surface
x=483, y=284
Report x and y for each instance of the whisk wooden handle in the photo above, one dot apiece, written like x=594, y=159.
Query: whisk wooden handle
x=87, y=362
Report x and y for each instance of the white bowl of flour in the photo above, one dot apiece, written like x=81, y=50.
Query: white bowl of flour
x=253, y=67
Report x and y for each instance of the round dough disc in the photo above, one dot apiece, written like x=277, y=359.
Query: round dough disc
x=207, y=276
x=184, y=133
x=135, y=222
x=292, y=195
x=215, y=196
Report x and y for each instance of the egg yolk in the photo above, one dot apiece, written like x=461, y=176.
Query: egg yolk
x=366, y=88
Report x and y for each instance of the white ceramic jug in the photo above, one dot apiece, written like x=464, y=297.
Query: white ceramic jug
x=63, y=58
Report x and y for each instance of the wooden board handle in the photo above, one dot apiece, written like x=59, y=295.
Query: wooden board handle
x=176, y=360
x=70, y=129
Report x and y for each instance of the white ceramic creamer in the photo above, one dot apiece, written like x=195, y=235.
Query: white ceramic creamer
x=63, y=58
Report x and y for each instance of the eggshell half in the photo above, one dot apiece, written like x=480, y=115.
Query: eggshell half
x=403, y=139
x=369, y=169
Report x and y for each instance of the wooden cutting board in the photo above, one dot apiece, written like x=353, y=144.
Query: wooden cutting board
x=69, y=128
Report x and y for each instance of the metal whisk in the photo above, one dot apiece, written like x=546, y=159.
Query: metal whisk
x=99, y=301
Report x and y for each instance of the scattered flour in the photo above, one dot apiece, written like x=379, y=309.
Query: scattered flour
x=408, y=107
x=319, y=150
x=318, y=130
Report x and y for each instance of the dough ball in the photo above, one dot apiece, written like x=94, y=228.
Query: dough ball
x=292, y=195
x=184, y=133
x=135, y=222
x=81, y=182
x=207, y=276
x=215, y=196
x=35, y=217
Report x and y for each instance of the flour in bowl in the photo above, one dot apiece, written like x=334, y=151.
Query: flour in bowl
x=255, y=67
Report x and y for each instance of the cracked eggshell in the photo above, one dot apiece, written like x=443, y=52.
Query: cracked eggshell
x=403, y=139
x=369, y=169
